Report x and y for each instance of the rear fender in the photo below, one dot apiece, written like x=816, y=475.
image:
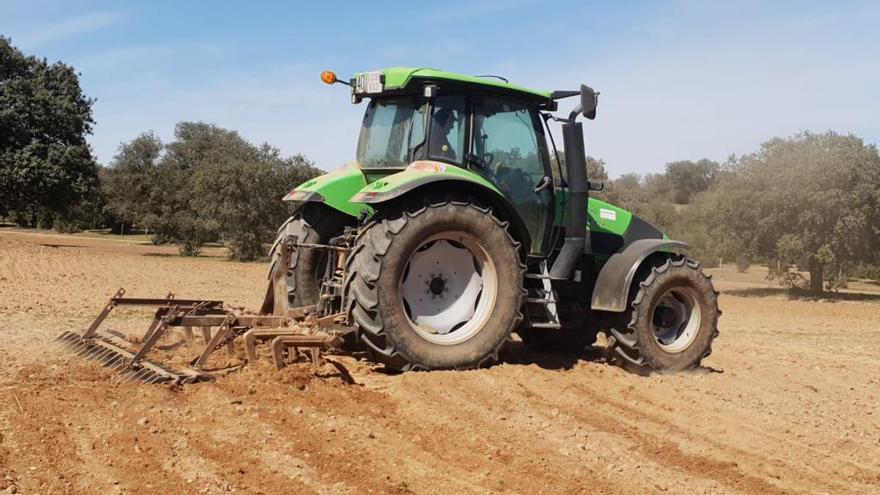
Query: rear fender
x=613, y=283
x=334, y=189
x=423, y=176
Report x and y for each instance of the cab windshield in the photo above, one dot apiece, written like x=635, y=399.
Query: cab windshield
x=393, y=132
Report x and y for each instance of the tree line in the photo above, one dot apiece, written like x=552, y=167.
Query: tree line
x=809, y=203
x=208, y=185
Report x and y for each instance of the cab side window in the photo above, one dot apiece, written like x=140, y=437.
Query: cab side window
x=505, y=144
x=447, y=129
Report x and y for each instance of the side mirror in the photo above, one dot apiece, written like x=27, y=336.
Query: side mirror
x=589, y=102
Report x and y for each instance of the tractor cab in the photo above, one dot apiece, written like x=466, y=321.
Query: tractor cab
x=496, y=135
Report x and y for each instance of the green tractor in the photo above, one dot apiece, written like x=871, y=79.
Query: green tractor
x=450, y=231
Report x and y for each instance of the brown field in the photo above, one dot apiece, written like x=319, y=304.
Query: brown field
x=788, y=402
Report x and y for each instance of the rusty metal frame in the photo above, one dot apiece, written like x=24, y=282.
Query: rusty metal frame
x=171, y=312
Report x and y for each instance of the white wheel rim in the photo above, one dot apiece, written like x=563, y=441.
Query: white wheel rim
x=676, y=319
x=448, y=288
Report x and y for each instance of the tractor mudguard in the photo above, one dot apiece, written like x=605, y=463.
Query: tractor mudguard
x=422, y=173
x=614, y=280
x=417, y=174
x=334, y=189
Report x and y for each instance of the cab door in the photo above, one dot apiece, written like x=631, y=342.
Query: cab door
x=509, y=150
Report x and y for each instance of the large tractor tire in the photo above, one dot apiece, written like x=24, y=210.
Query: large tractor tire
x=312, y=225
x=673, y=318
x=436, y=287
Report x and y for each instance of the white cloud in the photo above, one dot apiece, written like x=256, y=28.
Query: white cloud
x=48, y=32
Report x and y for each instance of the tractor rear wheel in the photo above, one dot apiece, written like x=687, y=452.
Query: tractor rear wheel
x=673, y=320
x=436, y=287
x=312, y=225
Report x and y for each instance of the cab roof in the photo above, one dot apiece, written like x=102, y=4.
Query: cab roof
x=400, y=77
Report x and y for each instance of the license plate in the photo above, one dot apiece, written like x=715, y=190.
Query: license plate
x=369, y=82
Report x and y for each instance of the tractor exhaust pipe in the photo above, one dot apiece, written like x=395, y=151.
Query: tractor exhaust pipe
x=577, y=240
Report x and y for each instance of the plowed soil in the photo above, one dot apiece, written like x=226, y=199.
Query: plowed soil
x=789, y=402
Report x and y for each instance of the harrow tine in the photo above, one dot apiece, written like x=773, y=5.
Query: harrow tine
x=116, y=362
x=107, y=357
x=119, y=364
x=127, y=376
x=141, y=373
x=95, y=353
x=109, y=360
x=155, y=378
x=138, y=375
x=91, y=352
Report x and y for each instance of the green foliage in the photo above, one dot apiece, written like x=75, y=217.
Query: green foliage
x=242, y=201
x=129, y=184
x=811, y=201
x=596, y=168
x=864, y=270
x=208, y=184
x=45, y=162
x=648, y=198
x=688, y=178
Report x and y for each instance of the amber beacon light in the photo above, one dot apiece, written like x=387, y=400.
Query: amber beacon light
x=328, y=77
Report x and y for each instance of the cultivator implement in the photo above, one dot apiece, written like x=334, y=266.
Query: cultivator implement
x=287, y=330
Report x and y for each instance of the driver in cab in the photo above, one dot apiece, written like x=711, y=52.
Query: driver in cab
x=444, y=120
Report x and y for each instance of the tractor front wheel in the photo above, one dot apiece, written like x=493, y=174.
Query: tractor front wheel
x=436, y=287
x=673, y=318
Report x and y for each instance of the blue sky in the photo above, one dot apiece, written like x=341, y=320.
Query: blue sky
x=679, y=79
